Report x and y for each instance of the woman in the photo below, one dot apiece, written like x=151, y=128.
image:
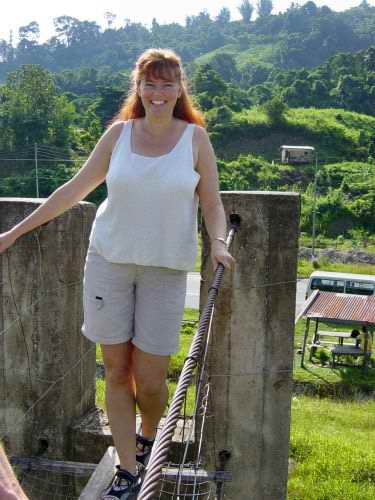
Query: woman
x=158, y=162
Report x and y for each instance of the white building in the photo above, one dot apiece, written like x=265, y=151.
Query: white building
x=297, y=154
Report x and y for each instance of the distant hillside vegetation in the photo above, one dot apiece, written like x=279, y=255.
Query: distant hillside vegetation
x=302, y=36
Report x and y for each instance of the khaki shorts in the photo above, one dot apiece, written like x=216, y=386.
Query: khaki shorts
x=122, y=302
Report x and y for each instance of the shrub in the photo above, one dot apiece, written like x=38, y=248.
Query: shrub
x=275, y=110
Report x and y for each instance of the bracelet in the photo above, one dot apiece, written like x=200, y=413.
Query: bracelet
x=222, y=240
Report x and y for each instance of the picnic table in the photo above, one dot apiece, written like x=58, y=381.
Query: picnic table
x=348, y=350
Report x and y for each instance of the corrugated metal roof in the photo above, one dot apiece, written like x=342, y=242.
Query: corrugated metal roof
x=342, y=307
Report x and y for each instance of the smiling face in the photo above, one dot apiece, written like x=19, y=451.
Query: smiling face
x=159, y=94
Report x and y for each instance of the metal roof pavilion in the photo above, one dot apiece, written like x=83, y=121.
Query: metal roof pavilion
x=338, y=308
x=342, y=308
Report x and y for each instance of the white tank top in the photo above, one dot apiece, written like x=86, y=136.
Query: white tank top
x=150, y=215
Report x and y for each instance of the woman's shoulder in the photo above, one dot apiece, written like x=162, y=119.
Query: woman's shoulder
x=117, y=126
x=200, y=135
x=119, y=123
x=115, y=129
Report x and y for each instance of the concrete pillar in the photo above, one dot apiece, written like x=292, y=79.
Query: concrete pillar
x=251, y=354
x=47, y=367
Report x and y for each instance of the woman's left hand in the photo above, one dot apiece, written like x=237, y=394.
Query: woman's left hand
x=220, y=254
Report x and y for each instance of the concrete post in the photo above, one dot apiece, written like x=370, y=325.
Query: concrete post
x=47, y=368
x=251, y=354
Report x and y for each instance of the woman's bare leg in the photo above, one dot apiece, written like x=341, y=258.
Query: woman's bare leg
x=150, y=373
x=120, y=401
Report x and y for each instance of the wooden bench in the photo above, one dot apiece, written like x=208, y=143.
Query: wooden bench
x=340, y=335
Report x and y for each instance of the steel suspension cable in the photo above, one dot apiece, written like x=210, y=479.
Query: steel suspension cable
x=160, y=449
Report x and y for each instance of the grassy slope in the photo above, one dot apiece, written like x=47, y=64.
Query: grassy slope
x=260, y=51
x=250, y=132
x=227, y=49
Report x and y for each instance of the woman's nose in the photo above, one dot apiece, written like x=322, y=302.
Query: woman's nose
x=159, y=90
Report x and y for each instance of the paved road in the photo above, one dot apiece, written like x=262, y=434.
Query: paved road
x=300, y=297
x=193, y=285
x=192, y=293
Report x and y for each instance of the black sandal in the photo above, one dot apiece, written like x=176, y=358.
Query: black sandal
x=123, y=486
x=144, y=447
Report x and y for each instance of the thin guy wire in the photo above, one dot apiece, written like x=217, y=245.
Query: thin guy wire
x=33, y=369
x=160, y=448
x=26, y=310
x=202, y=327
x=204, y=405
x=18, y=152
x=159, y=452
x=19, y=319
x=53, y=385
x=198, y=391
x=21, y=324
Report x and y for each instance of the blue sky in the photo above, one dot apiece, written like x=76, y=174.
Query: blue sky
x=20, y=13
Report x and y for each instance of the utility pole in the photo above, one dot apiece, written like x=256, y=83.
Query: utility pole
x=36, y=168
x=300, y=155
x=314, y=207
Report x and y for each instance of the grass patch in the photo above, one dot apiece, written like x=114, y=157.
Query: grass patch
x=332, y=446
x=177, y=360
x=340, y=243
x=191, y=314
x=100, y=393
x=190, y=399
x=197, y=267
x=305, y=267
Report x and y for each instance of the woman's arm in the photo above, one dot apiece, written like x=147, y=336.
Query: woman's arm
x=210, y=200
x=91, y=175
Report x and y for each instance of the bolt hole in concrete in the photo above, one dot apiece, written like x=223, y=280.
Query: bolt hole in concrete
x=43, y=445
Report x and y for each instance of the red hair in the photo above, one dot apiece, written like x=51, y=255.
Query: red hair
x=164, y=64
